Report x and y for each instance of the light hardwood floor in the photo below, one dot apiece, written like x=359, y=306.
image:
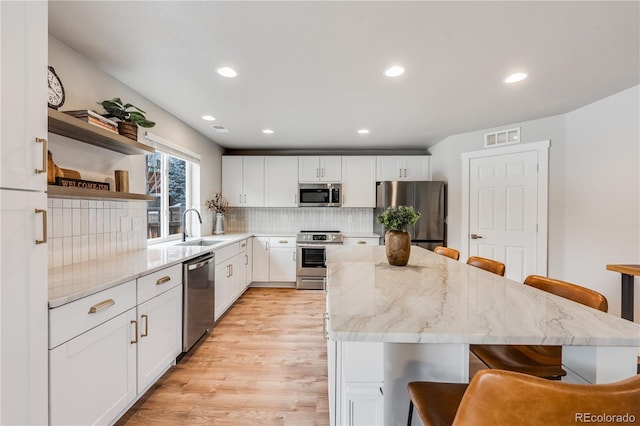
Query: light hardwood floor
x=265, y=363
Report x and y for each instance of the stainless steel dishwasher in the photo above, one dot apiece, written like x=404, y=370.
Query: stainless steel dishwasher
x=198, y=298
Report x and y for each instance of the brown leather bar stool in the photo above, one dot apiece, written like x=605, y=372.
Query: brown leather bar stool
x=447, y=251
x=498, y=397
x=490, y=265
x=539, y=360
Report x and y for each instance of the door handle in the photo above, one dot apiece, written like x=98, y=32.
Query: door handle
x=146, y=325
x=45, y=155
x=44, y=226
x=476, y=236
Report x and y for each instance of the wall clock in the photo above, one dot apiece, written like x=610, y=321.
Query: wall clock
x=56, y=90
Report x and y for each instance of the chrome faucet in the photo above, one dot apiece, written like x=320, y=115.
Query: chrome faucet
x=184, y=227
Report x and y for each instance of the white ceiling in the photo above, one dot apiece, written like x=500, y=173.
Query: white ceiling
x=313, y=70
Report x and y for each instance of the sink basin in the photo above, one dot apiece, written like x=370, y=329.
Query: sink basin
x=201, y=243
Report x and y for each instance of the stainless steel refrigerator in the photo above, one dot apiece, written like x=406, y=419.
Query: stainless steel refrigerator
x=428, y=198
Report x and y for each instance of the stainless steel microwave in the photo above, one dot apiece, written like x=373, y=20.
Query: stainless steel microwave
x=319, y=194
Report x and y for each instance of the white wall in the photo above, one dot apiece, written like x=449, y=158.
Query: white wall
x=594, y=189
x=85, y=85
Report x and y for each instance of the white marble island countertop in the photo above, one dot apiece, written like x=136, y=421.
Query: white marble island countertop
x=72, y=282
x=435, y=299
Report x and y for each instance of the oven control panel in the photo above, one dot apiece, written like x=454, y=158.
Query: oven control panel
x=305, y=237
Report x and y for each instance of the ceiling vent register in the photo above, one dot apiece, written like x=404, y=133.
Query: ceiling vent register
x=503, y=137
x=219, y=128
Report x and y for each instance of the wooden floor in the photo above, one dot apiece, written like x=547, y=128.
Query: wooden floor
x=265, y=363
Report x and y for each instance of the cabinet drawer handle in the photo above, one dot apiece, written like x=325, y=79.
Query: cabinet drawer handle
x=163, y=280
x=135, y=340
x=44, y=226
x=146, y=325
x=45, y=156
x=362, y=242
x=283, y=241
x=102, y=305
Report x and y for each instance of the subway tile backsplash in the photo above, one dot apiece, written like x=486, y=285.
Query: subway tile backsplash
x=292, y=220
x=81, y=230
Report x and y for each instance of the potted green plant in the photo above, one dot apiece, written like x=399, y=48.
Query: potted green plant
x=129, y=117
x=397, y=239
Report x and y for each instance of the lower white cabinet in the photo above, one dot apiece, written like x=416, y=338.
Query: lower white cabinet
x=230, y=276
x=274, y=259
x=371, y=241
x=107, y=349
x=261, y=259
x=355, y=383
x=159, y=336
x=282, y=259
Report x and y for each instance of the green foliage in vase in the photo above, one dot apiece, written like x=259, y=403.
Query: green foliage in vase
x=398, y=218
x=126, y=112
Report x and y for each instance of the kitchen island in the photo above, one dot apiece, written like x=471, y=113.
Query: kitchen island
x=427, y=313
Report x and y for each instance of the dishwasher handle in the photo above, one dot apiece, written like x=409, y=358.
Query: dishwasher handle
x=199, y=264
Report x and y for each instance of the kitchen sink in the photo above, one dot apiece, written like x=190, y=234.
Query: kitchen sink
x=201, y=243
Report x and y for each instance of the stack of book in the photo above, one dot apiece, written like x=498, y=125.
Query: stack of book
x=94, y=118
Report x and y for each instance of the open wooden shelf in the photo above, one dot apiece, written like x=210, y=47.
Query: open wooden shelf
x=55, y=191
x=65, y=125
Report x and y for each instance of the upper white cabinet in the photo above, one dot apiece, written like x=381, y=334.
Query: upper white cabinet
x=313, y=168
x=23, y=153
x=281, y=181
x=358, y=181
x=243, y=180
x=399, y=167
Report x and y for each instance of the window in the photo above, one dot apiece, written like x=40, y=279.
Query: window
x=169, y=180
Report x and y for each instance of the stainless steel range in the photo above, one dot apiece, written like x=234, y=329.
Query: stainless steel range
x=310, y=257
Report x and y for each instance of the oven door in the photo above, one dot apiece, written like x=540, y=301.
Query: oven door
x=310, y=260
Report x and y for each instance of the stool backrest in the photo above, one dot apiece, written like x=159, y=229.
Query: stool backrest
x=569, y=291
x=490, y=265
x=498, y=397
x=447, y=251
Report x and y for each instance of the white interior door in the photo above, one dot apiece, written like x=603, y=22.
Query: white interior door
x=506, y=210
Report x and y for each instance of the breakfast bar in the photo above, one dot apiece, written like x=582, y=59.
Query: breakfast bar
x=427, y=313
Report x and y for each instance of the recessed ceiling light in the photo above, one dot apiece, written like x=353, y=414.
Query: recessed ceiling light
x=363, y=131
x=227, y=72
x=208, y=117
x=516, y=77
x=267, y=131
x=394, y=71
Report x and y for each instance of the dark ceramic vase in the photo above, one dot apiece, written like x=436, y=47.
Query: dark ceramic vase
x=398, y=247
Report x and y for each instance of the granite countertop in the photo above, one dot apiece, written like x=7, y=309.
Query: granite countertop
x=435, y=299
x=72, y=282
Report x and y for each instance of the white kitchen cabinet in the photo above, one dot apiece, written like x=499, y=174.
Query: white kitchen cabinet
x=93, y=376
x=24, y=92
x=23, y=262
x=398, y=167
x=356, y=382
x=108, y=348
x=324, y=168
x=248, y=262
x=281, y=181
x=282, y=259
x=358, y=181
x=261, y=259
x=243, y=180
x=23, y=302
x=230, y=276
x=159, y=299
x=92, y=357
x=375, y=241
